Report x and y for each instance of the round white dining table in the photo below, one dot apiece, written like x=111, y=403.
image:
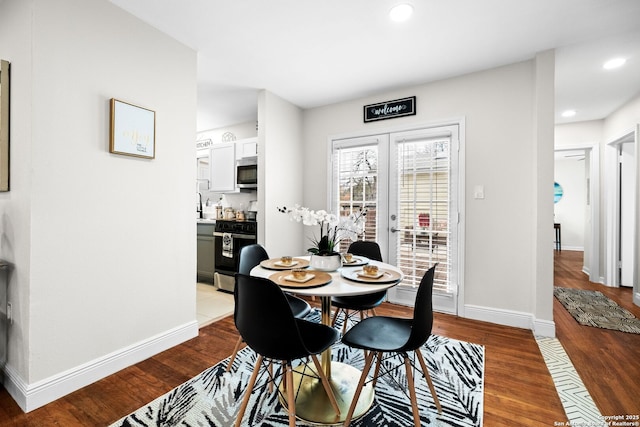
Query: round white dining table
x=312, y=404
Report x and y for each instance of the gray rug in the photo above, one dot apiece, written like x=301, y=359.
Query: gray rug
x=593, y=308
x=213, y=397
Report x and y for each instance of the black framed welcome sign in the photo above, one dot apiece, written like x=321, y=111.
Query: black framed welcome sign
x=390, y=109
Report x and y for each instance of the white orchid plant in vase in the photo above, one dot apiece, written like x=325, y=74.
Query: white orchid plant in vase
x=333, y=229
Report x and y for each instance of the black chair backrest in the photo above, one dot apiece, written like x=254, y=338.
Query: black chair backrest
x=250, y=256
x=264, y=319
x=366, y=248
x=422, y=312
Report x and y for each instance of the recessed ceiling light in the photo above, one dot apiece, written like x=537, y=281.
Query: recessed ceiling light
x=401, y=12
x=568, y=113
x=614, y=63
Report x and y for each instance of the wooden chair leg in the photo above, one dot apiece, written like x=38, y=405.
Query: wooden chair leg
x=270, y=377
x=377, y=371
x=291, y=399
x=247, y=392
x=326, y=384
x=284, y=369
x=235, y=353
x=356, y=396
x=427, y=376
x=412, y=392
x=335, y=318
x=346, y=318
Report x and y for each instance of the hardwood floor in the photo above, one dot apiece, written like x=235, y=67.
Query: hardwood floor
x=607, y=361
x=518, y=387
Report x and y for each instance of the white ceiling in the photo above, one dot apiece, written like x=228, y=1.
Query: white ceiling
x=315, y=53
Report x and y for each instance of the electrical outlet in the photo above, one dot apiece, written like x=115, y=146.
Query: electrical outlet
x=10, y=313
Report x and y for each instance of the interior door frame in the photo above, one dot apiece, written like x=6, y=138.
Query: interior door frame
x=612, y=185
x=592, y=265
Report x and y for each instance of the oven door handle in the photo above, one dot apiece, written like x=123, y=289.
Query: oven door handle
x=236, y=236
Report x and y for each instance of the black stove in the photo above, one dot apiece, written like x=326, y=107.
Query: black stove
x=229, y=237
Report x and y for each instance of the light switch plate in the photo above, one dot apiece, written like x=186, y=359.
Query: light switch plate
x=478, y=192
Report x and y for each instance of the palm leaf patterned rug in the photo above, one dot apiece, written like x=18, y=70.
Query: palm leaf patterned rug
x=213, y=397
x=593, y=308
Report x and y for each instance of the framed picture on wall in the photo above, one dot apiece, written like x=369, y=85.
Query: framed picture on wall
x=133, y=130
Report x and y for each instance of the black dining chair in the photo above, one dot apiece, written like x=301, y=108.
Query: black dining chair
x=388, y=337
x=266, y=323
x=249, y=257
x=350, y=306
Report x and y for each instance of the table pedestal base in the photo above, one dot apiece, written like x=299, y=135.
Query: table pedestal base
x=312, y=403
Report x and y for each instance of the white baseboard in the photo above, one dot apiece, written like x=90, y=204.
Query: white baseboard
x=35, y=395
x=572, y=248
x=516, y=319
x=544, y=328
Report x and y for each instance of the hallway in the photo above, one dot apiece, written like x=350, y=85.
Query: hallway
x=607, y=361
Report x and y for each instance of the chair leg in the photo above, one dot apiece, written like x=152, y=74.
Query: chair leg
x=346, y=318
x=247, y=392
x=356, y=396
x=270, y=377
x=326, y=384
x=412, y=392
x=235, y=353
x=427, y=376
x=291, y=399
x=377, y=371
x=335, y=317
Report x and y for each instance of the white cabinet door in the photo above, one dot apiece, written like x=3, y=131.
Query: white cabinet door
x=223, y=167
x=246, y=148
x=204, y=171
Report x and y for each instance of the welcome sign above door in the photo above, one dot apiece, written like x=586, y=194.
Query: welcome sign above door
x=390, y=109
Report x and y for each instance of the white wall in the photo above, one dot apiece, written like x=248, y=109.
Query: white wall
x=240, y=131
x=501, y=230
x=103, y=244
x=280, y=168
x=579, y=133
x=570, y=211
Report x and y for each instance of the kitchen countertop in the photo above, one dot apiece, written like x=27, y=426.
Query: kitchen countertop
x=205, y=221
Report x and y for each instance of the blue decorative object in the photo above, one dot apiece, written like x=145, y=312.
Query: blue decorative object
x=557, y=192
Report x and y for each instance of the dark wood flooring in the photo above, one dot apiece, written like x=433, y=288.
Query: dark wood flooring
x=518, y=388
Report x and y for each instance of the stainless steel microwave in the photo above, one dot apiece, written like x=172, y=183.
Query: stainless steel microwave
x=247, y=172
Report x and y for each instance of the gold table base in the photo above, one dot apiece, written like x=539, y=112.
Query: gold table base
x=312, y=403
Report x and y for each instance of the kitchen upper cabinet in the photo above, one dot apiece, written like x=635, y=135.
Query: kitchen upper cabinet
x=246, y=148
x=223, y=167
x=204, y=171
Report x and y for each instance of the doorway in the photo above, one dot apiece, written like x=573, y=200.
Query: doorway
x=409, y=181
x=590, y=156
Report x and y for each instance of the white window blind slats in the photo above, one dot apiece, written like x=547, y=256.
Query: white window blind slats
x=356, y=170
x=423, y=169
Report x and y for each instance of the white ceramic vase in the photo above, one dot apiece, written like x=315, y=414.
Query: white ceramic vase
x=330, y=262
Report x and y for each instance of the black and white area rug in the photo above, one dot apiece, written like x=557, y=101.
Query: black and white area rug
x=213, y=397
x=593, y=308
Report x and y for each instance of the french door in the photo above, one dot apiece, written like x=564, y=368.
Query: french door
x=408, y=181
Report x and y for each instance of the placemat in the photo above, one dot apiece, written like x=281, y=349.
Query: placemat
x=321, y=278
